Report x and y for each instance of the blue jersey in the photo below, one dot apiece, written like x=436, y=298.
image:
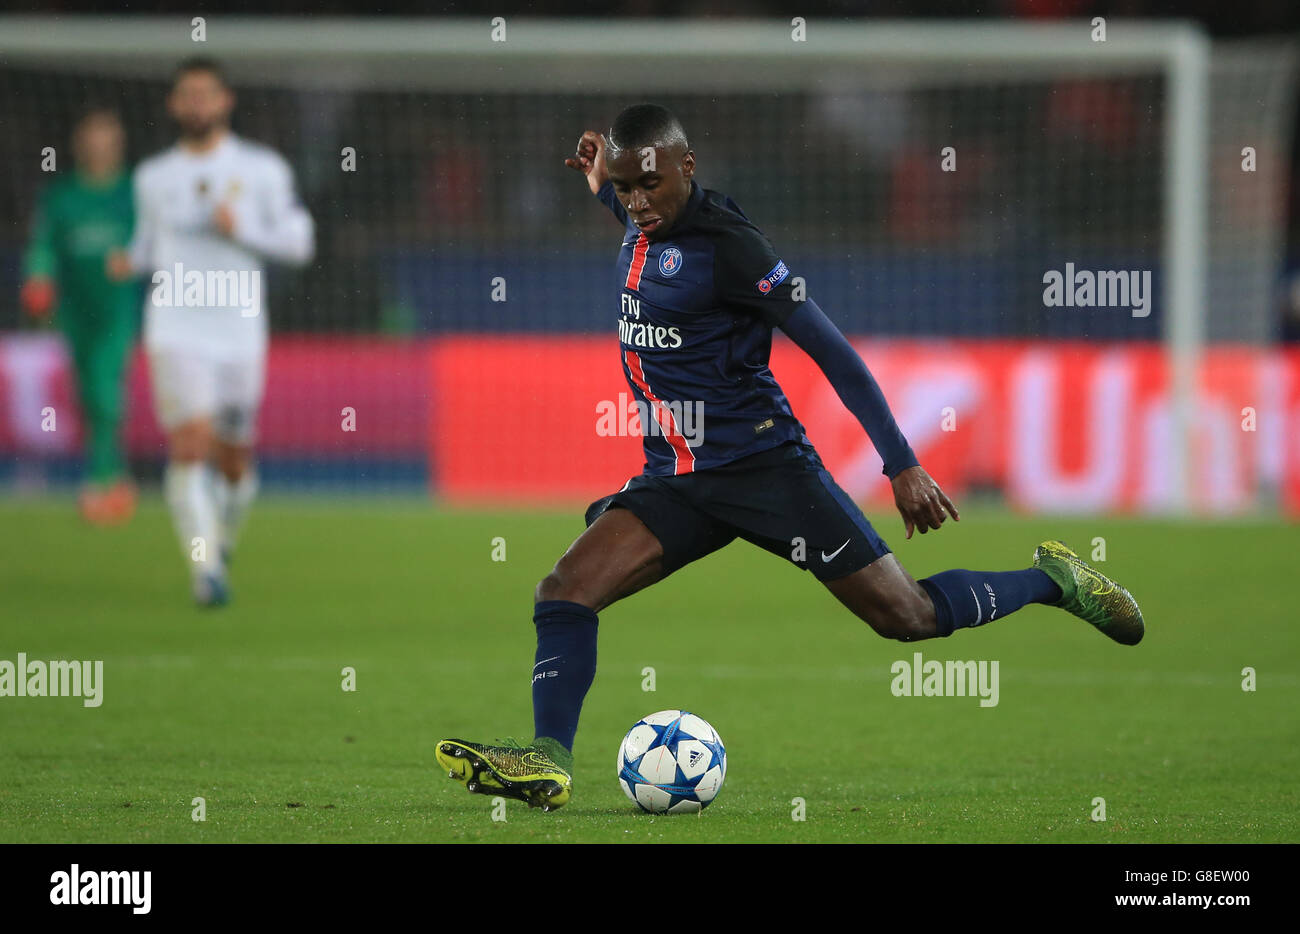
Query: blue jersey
x=695, y=319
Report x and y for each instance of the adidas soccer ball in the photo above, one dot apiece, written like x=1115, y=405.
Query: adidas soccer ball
x=672, y=762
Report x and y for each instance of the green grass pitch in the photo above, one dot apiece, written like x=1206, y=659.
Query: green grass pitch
x=244, y=706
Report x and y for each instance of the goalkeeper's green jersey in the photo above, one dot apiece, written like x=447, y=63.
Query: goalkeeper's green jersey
x=77, y=224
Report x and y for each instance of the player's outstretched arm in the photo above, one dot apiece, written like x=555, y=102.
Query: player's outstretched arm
x=589, y=159
x=919, y=499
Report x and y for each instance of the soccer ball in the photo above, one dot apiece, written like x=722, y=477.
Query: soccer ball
x=672, y=762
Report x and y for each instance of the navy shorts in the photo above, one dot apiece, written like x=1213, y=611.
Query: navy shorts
x=782, y=500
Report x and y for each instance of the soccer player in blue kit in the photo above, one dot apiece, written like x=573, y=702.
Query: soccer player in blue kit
x=701, y=291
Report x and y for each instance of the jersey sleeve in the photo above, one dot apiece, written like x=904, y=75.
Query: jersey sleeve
x=41, y=259
x=748, y=274
x=279, y=228
x=144, y=232
x=610, y=200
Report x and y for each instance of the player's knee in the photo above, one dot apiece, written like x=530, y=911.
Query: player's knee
x=190, y=442
x=561, y=584
x=909, y=620
x=98, y=411
x=553, y=586
x=232, y=463
x=188, y=450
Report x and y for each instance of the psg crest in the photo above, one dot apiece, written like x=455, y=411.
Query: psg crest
x=670, y=261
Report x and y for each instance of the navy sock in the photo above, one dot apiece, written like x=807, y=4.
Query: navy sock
x=972, y=598
x=565, y=667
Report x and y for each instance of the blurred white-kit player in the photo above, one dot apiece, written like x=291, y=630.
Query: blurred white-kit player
x=211, y=211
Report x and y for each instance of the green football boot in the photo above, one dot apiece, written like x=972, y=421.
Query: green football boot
x=510, y=769
x=1090, y=594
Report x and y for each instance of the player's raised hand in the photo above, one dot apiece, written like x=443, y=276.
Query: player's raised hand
x=37, y=297
x=920, y=501
x=589, y=159
x=223, y=218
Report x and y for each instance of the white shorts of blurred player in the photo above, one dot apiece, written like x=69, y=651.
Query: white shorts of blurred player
x=188, y=385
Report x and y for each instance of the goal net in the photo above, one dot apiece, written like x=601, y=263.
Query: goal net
x=1060, y=253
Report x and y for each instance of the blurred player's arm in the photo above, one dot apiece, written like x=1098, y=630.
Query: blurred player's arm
x=589, y=159
x=40, y=263
x=125, y=263
x=278, y=228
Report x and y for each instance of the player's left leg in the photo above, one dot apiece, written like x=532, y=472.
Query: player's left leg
x=896, y=606
x=885, y=596
x=236, y=486
x=98, y=385
x=239, y=396
x=787, y=502
x=101, y=355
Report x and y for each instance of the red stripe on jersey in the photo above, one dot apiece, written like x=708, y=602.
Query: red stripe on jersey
x=685, y=458
x=638, y=263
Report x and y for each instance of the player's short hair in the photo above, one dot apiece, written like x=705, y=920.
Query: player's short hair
x=200, y=63
x=97, y=111
x=643, y=125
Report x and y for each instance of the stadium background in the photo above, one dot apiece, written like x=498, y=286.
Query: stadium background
x=937, y=275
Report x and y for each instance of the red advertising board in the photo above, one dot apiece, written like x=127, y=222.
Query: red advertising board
x=518, y=419
x=310, y=382
x=1058, y=427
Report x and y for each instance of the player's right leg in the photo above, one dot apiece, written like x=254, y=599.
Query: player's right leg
x=616, y=556
x=184, y=392
x=633, y=539
x=188, y=491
